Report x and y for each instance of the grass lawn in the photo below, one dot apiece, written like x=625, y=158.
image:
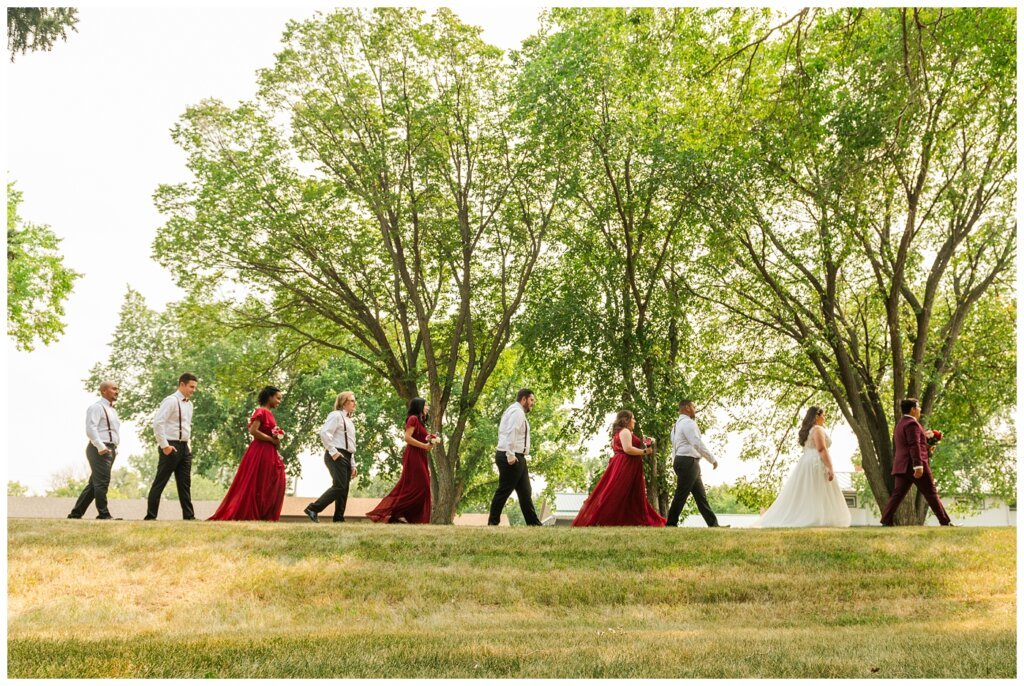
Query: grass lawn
x=181, y=599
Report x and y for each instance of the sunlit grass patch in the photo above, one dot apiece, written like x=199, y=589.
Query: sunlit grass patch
x=360, y=600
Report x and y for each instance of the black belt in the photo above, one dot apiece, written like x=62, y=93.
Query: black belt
x=505, y=453
x=177, y=441
x=696, y=457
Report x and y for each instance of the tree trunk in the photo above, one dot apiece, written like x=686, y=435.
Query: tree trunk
x=651, y=477
x=663, y=484
x=665, y=489
x=444, y=490
x=907, y=514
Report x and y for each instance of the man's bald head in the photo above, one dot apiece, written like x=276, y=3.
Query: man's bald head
x=109, y=390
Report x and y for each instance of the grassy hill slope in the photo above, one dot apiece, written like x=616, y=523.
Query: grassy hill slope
x=195, y=599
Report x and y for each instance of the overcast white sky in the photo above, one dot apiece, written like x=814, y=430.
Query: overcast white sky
x=88, y=142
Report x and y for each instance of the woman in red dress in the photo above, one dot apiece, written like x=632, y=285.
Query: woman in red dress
x=257, y=491
x=620, y=496
x=409, y=501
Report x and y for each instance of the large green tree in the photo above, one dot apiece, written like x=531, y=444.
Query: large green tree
x=870, y=218
x=620, y=98
x=38, y=281
x=377, y=201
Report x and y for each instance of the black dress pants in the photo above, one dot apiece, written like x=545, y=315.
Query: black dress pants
x=688, y=481
x=99, y=481
x=178, y=463
x=341, y=476
x=512, y=477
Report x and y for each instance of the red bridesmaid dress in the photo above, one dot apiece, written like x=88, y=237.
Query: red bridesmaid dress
x=620, y=496
x=410, y=498
x=257, y=491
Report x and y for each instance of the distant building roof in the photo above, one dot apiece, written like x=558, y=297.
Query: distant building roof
x=569, y=503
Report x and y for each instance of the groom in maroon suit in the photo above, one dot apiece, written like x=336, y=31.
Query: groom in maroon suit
x=910, y=464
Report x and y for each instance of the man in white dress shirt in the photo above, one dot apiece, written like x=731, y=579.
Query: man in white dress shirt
x=172, y=426
x=511, y=457
x=687, y=449
x=338, y=434
x=102, y=426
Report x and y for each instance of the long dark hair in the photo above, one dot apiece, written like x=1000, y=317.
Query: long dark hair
x=267, y=393
x=808, y=424
x=621, y=420
x=416, y=409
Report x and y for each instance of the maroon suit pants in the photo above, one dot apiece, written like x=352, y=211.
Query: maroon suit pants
x=925, y=485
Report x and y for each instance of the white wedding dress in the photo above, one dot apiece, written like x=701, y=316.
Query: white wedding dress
x=808, y=498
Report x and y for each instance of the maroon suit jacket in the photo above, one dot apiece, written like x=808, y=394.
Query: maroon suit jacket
x=911, y=446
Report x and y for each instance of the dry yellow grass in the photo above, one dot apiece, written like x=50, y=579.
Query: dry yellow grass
x=170, y=599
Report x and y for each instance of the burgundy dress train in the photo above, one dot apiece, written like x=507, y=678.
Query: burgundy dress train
x=257, y=491
x=620, y=496
x=410, y=498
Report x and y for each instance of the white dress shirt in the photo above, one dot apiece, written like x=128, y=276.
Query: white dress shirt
x=338, y=433
x=514, y=431
x=102, y=425
x=173, y=419
x=686, y=440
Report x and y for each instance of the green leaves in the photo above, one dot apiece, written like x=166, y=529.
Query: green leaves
x=870, y=234
x=375, y=200
x=608, y=94
x=151, y=349
x=38, y=28
x=37, y=280
x=752, y=209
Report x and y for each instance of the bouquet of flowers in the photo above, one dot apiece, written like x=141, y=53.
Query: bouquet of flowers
x=277, y=432
x=648, y=441
x=433, y=439
x=933, y=437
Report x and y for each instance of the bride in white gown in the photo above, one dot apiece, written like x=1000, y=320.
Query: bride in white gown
x=811, y=495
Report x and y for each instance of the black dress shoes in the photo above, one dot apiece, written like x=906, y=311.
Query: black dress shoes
x=313, y=517
x=109, y=517
x=74, y=516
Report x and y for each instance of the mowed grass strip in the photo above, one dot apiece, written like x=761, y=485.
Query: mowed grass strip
x=172, y=599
